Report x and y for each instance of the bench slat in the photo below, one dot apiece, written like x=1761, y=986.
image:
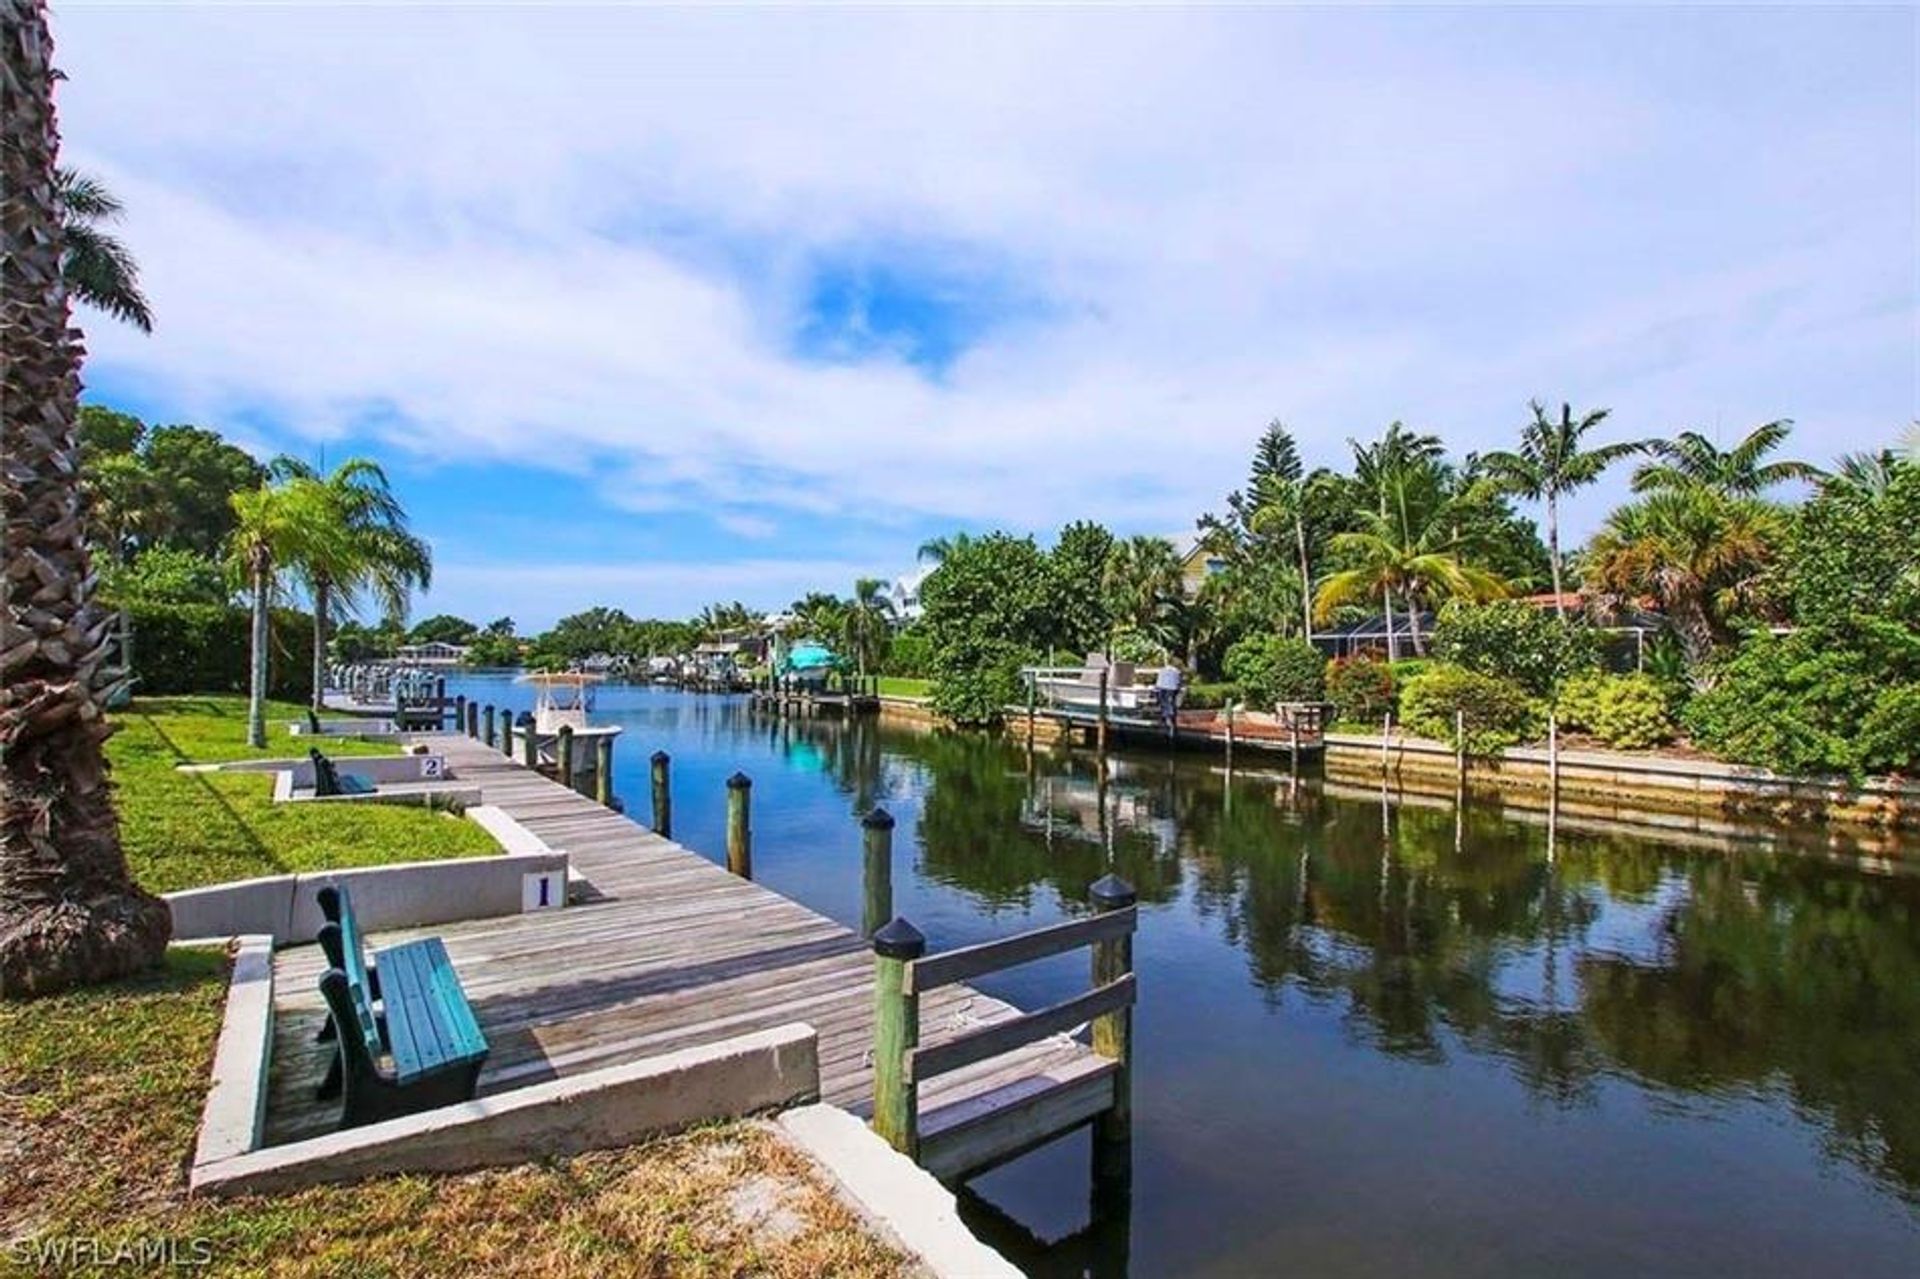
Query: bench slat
x=430, y=1023
x=460, y=1029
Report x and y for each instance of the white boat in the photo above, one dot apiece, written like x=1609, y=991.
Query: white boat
x=563, y=699
x=1078, y=687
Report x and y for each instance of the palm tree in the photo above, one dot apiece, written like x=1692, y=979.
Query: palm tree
x=1386, y=562
x=99, y=269
x=70, y=914
x=277, y=526
x=1864, y=473
x=1551, y=462
x=937, y=550
x=868, y=620
x=1143, y=581
x=370, y=552
x=1691, y=460
x=1383, y=470
x=1698, y=553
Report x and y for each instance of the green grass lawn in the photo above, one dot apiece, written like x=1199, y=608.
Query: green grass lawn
x=185, y=830
x=100, y=1097
x=902, y=686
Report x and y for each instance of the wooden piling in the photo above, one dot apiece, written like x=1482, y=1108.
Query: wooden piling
x=1229, y=733
x=1113, y=1038
x=459, y=712
x=563, y=754
x=739, y=825
x=1033, y=698
x=896, y=1032
x=603, y=770
x=473, y=719
x=661, y=765
x=1460, y=743
x=486, y=724
x=506, y=732
x=530, y=746
x=876, y=837
x=1100, y=727
x=1386, y=734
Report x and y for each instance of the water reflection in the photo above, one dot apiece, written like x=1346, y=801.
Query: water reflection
x=1387, y=1034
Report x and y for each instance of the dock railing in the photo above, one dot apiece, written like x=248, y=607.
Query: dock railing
x=904, y=972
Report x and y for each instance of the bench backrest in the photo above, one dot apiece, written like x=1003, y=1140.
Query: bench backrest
x=346, y=950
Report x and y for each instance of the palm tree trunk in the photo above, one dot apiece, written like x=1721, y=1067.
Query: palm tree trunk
x=257, y=672
x=1306, y=578
x=1553, y=553
x=1413, y=624
x=1393, y=645
x=69, y=912
x=321, y=592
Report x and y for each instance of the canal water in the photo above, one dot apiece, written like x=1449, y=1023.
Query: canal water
x=1380, y=1037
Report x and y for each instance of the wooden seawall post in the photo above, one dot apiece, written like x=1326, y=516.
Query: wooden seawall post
x=739, y=825
x=896, y=1032
x=603, y=770
x=1100, y=727
x=563, y=755
x=662, y=764
x=486, y=724
x=1229, y=734
x=1113, y=1038
x=1033, y=697
x=876, y=837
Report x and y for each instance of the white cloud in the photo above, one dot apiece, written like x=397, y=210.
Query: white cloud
x=576, y=237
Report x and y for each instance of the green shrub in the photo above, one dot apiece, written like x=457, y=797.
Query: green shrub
x=203, y=648
x=1514, y=641
x=1408, y=667
x=1627, y=712
x=910, y=654
x=1275, y=668
x=1360, y=688
x=1806, y=703
x=1498, y=712
x=979, y=690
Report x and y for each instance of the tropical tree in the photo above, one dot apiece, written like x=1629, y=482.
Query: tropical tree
x=99, y=269
x=1384, y=562
x=1551, y=462
x=369, y=551
x=277, y=526
x=70, y=914
x=1867, y=474
x=1698, y=553
x=867, y=623
x=1691, y=460
x=937, y=550
x=1280, y=495
x=1143, y=582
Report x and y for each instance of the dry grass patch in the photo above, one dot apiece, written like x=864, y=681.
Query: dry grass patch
x=100, y=1095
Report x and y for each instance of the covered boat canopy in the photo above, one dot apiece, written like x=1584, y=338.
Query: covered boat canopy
x=807, y=658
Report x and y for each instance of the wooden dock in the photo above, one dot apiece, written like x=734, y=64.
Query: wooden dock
x=1215, y=730
x=662, y=949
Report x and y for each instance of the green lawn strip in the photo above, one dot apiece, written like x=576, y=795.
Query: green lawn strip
x=189, y=829
x=902, y=686
x=100, y=1098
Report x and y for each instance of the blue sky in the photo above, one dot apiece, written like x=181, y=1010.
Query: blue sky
x=656, y=307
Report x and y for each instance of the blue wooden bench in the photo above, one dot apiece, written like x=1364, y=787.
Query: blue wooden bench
x=419, y=1049
x=328, y=781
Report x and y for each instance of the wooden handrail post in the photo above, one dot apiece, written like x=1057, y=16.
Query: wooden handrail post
x=603, y=770
x=896, y=1032
x=662, y=763
x=486, y=724
x=876, y=838
x=563, y=754
x=739, y=825
x=1113, y=1038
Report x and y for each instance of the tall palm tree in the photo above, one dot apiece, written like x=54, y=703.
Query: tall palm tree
x=277, y=526
x=1691, y=460
x=1385, y=562
x=1551, y=462
x=1698, y=553
x=869, y=618
x=99, y=269
x=371, y=552
x=1383, y=470
x=1865, y=473
x=70, y=914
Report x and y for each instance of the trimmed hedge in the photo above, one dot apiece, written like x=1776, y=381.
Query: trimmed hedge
x=203, y=648
x=1627, y=712
x=1361, y=688
x=1498, y=712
